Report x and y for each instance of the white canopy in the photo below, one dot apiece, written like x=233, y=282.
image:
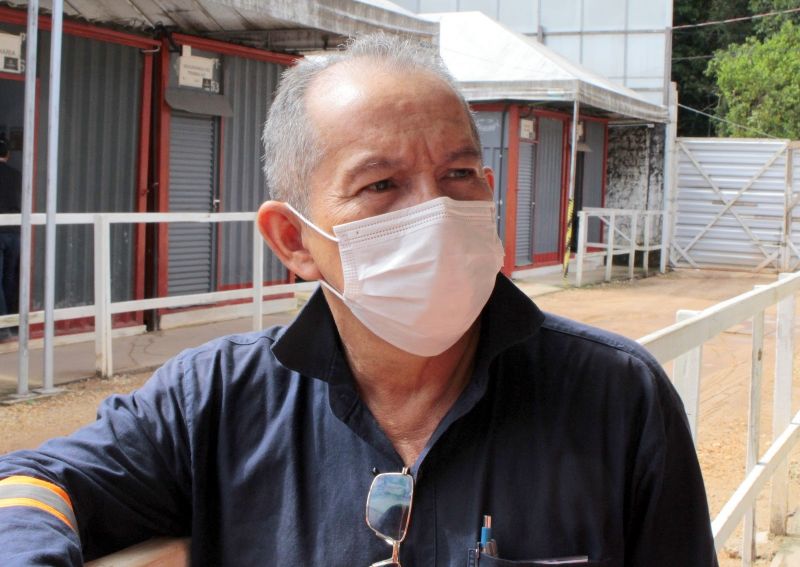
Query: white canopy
x=296, y=25
x=492, y=63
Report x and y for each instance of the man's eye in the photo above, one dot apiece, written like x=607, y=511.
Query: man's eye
x=460, y=173
x=378, y=186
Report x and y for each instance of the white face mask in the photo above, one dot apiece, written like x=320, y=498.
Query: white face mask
x=419, y=277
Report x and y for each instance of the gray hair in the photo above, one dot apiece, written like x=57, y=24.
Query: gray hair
x=291, y=148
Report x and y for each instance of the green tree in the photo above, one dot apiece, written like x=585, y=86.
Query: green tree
x=758, y=83
x=764, y=27
x=693, y=47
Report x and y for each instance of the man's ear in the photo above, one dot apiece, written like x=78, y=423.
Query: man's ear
x=488, y=173
x=281, y=229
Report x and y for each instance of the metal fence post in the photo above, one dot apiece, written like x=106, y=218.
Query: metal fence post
x=686, y=377
x=782, y=407
x=29, y=114
x=648, y=220
x=753, y=430
x=632, y=253
x=102, y=296
x=583, y=221
x=258, y=278
x=53, y=123
x=610, y=247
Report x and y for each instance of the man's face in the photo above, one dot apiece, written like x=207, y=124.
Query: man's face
x=390, y=141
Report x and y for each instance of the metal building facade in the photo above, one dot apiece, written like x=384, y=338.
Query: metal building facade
x=493, y=131
x=250, y=85
x=532, y=185
x=214, y=257
x=98, y=160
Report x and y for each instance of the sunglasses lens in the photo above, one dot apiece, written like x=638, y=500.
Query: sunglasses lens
x=389, y=505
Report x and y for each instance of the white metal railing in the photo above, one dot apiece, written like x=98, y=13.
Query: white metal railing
x=103, y=308
x=615, y=230
x=683, y=342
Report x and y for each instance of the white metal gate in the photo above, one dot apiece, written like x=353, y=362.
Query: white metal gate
x=735, y=204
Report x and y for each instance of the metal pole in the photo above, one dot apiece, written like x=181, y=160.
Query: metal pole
x=31, y=44
x=670, y=180
x=52, y=192
x=583, y=224
x=573, y=155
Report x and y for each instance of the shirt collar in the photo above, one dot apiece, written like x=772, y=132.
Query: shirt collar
x=311, y=346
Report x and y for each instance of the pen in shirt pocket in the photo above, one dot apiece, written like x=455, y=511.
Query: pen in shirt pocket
x=487, y=545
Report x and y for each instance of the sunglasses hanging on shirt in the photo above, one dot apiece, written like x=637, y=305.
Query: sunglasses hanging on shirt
x=389, y=511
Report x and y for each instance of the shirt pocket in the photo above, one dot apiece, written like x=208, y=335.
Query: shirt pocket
x=489, y=561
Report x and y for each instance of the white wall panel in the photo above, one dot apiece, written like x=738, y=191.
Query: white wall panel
x=567, y=45
x=608, y=15
x=560, y=15
x=645, y=55
x=604, y=54
x=518, y=16
x=646, y=14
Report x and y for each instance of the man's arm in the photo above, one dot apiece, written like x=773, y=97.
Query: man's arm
x=120, y=480
x=668, y=523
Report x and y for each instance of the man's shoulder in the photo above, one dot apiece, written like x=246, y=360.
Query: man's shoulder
x=237, y=342
x=228, y=371
x=583, y=337
x=599, y=359
x=229, y=358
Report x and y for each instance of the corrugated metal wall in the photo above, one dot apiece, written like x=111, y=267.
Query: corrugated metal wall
x=494, y=152
x=593, y=173
x=249, y=85
x=99, y=136
x=525, y=203
x=192, y=188
x=730, y=164
x=547, y=211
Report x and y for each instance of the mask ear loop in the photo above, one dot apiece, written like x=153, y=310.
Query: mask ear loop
x=311, y=225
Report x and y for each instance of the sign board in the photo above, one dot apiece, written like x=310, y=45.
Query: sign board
x=11, y=53
x=198, y=72
x=527, y=129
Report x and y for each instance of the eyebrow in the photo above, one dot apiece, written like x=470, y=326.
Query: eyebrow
x=373, y=163
x=367, y=164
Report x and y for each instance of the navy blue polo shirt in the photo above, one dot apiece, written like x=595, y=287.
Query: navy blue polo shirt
x=259, y=447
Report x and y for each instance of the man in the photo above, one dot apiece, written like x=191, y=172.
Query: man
x=10, y=189
x=413, y=356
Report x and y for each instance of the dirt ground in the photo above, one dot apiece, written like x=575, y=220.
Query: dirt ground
x=632, y=309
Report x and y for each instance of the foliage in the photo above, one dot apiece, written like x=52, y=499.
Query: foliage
x=766, y=26
x=759, y=84
x=692, y=48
